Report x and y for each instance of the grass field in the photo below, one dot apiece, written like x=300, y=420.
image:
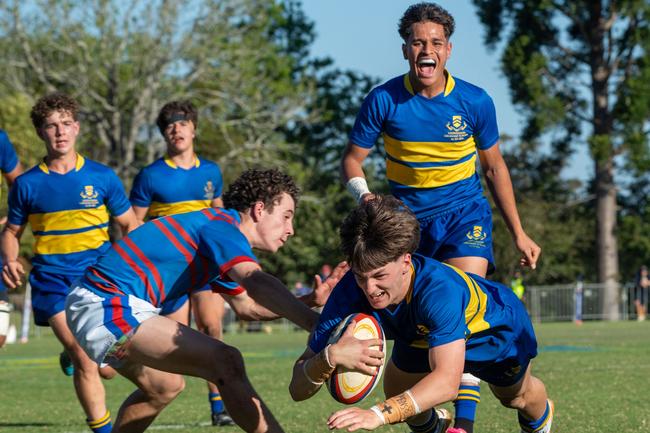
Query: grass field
x=598, y=374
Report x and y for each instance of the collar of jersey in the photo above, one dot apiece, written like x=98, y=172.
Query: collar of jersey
x=451, y=83
x=77, y=166
x=172, y=164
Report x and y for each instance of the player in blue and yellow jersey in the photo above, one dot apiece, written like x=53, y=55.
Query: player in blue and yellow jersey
x=443, y=321
x=435, y=126
x=67, y=200
x=10, y=168
x=181, y=182
x=115, y=310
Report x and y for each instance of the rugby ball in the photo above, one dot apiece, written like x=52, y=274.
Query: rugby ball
x=350, y=387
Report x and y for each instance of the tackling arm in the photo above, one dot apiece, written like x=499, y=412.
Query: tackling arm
x=352, y=173
x=270, y=293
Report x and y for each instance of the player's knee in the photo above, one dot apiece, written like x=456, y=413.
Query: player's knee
x=165, y=391
x=516, y=402
x=230, y=364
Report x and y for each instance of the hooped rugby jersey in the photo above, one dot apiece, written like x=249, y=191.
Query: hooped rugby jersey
x=430, y=143
x=68, y=213
x=443, y=304
x=168, y=189
x=166, y=257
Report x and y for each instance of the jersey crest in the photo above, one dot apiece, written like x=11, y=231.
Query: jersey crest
x=89, y=196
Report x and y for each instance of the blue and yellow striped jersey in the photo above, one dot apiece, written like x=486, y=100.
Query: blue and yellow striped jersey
x=431, y=143
x=167, y=189
x=68, y=213
x=443, y=304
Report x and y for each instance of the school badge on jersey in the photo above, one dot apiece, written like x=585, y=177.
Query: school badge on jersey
x=456, y=129
x=208, y=190
x=89, y=196
x=476, y=237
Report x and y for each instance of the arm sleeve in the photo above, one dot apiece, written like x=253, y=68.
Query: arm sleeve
x=116, y=200
x=486, y=133
x=443, y=320
x=222, y=243
x=141, y=190
x=18, y=204
x=8, y=157
x=369, y=123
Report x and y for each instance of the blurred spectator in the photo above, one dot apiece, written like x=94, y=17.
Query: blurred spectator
x=325, y=271
x=300, y=289
x=517, y=286
x=577, y=317
x=641, y=286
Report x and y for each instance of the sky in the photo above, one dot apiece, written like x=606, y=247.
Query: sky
x=362, y=35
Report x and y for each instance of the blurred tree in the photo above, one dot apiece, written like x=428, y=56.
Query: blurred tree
x=581, y=68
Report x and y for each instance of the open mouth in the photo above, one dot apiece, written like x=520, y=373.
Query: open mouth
x=427, y=66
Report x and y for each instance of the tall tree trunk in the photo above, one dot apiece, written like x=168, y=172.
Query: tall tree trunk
x=607, y=239
x=602, y=150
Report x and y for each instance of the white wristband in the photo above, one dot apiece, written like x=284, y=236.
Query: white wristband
x=304, y=370
x=377, y=412
x=358, y=187
x=415, y=403
x=327, y=356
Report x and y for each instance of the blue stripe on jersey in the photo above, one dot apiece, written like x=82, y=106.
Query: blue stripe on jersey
x=431, y=143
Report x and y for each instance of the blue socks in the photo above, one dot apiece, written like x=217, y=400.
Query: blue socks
x=469, y=396
x=543, y=424
x=216, y=404
x=101, y=425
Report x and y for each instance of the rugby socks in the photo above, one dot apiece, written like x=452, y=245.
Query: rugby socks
x=428, y=425
x=541, y=425
x=434, y=424
x=216, y=404
x=102, y=425
x=469, y=396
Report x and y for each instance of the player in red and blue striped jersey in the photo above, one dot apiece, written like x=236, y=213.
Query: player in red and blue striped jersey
x=114, y=310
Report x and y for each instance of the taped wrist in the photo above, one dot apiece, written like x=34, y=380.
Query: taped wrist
x=397, y=409
x=358, y=187
x=318, y=368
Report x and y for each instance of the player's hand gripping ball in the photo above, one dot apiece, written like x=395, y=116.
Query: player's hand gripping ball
x=351, y=387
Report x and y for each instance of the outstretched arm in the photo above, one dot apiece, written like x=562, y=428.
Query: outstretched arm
x=500, y=184
x=270, y=293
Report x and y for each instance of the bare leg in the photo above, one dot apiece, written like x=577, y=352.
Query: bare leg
x=166, y=345
x=87, y=382
x=156, y=389
x=528, y=396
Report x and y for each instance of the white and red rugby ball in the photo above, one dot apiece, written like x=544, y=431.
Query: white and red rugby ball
x=350, y=387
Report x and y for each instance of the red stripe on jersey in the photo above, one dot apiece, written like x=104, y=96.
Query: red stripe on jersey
x=118, y=315
x=231, y=292
x=109, y=286
x=218, y=215
x=229, y=265
x=152, y=268
x=181, y=231
x=143, y=276
x=189, y=257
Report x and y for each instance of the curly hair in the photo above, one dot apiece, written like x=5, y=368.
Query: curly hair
x=378, y=232
x=173, y=109
x=260, y=185
x=50, y=103
x=422, y=12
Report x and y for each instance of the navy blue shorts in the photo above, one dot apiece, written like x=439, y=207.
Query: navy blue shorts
x=49, y=291
x=465, y=231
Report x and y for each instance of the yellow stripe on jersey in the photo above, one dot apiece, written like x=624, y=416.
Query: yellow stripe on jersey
x=160, y=209
x=430, y=177
x=477, y=306
x=68, y=219
x=424, y=151
x=70, y=243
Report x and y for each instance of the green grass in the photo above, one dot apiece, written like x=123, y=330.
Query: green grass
x=598, y=374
